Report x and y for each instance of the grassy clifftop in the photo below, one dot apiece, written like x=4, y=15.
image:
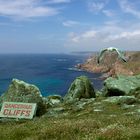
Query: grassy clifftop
x=112, y=123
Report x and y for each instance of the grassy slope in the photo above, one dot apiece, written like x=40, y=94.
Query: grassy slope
x=110, y=124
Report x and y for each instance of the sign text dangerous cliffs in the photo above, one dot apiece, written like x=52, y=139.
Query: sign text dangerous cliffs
x=18, y=110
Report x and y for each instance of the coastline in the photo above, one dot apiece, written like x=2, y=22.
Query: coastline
x=84, y=113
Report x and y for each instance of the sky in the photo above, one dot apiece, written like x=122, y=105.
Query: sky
x=63, y=26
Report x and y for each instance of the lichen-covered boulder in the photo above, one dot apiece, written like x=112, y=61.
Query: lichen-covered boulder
x=19, y=91
x=121, y=85
x=80, y=88
x=122, y=100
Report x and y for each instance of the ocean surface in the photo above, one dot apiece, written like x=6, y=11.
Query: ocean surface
x=52, y=73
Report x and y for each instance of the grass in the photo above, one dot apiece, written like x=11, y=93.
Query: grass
x=110, y=124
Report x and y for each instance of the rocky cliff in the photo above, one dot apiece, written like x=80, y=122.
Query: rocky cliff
x=112, y=66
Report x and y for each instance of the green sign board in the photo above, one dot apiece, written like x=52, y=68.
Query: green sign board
x=18, y=110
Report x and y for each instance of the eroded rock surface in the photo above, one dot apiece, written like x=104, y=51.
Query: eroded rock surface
x=80, y=88
x=122, y=85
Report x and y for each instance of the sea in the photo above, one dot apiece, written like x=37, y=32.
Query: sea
x=51, y=73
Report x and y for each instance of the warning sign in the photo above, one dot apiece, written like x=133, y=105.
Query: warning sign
x=18, y=110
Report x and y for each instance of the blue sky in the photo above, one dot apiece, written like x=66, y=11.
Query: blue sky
x=59, y=26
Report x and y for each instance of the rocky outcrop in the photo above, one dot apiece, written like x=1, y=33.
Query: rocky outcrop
x=122, y=85
x=122, y=91
x=19, y=91
x=80, y=88
x=112, y=66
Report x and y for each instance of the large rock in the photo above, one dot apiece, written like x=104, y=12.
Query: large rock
x=80, y=88
x=19, y=91
x=121, y=85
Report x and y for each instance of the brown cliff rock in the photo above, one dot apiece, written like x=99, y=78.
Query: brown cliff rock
x=112, y=66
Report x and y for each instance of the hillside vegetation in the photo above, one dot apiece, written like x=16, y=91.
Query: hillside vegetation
x=114, y=123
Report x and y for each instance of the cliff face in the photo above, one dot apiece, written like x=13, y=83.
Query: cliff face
x=111, y=65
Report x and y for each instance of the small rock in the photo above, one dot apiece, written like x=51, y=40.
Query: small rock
x=121, y=100
x=53, y=100
x=97, y=110
x=125, y=106
x=97, y=103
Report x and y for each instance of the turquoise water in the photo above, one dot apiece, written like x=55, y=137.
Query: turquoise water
x=52, y=73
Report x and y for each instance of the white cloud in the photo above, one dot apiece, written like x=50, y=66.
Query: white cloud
x=22, y=9
x=109, y=13
x=124, y=35
x=97, y=6
x=82, y=36
x=73, y=37
x=130, y=7
x=58, y=1
x=100, y=7
x=109, y=35
x=89, y=34
x=70, y=23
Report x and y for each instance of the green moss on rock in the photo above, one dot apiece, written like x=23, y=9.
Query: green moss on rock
x=80, y=88
x=122, y=85
x=20, y=91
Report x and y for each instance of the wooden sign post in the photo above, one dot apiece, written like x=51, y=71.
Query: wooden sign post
x=18, y=110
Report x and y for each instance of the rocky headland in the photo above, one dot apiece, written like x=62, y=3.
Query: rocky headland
x=111, y=65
